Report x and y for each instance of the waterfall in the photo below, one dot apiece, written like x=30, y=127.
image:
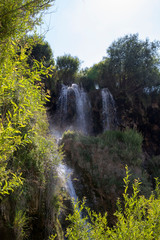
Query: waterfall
x=109, y=117
x=62, y=103
x=81, y=107
x=74, y=108
x=64, y=172
x=73, y=113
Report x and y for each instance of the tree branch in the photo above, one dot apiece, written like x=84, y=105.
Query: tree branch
x=32, y=4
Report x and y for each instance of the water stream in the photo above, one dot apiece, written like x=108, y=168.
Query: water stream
x=64, y=172
x=109, y=115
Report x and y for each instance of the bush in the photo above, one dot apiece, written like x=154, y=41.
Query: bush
x=154, y=166
x=122, y=146
x=125, y=146
x=138, y=220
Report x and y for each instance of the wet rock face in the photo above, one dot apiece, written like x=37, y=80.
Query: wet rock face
x=146, y=119
x=131, y=114
x=96, y=105
x=71, y=107
x=152, y=130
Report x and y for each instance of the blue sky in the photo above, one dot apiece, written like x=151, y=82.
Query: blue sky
x=86, y=28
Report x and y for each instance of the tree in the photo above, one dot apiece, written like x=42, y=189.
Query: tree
x=21, y=102
x=27, y=153
x=97, y=76
x=42, y=52
x=19, y=16
x=133, y=64
x=90, y=78
x=67, y=67
x=95, y=72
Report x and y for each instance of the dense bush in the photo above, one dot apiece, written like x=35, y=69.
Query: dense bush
x=125, y=146
x=102, y=161
x=27, y=153
x=153, y=166
x=137, y=218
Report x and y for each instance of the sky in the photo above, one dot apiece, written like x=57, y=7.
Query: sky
x=86, y=28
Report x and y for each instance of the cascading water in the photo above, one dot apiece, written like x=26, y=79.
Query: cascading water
x=74, y=108
x=62, y=103
x=74, y=111
x=64, y=173
x=81, y=108
x=108, y=110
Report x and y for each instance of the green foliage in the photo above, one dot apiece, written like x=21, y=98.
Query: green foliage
x=69, y=134
x=20, y=225
x=131, y=66
x=52, y=237
x=23, y=123
x=153, y=166
x=67, y=67
x=84, y=81
x=79, y=228
x=137, y=218
x=19, y=16
x=42, y=51
x=126, y=145
x=27, y=152
x=92, y=78
x=122, y=146
x=94, y=74
x=133, y=63
x=9, y=181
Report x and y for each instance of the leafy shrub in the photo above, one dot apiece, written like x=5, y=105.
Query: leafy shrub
x=154, y=166
x=69, y=134
x=20, y=225
x=122, y=146
x=137, y=219
x=125, y=146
